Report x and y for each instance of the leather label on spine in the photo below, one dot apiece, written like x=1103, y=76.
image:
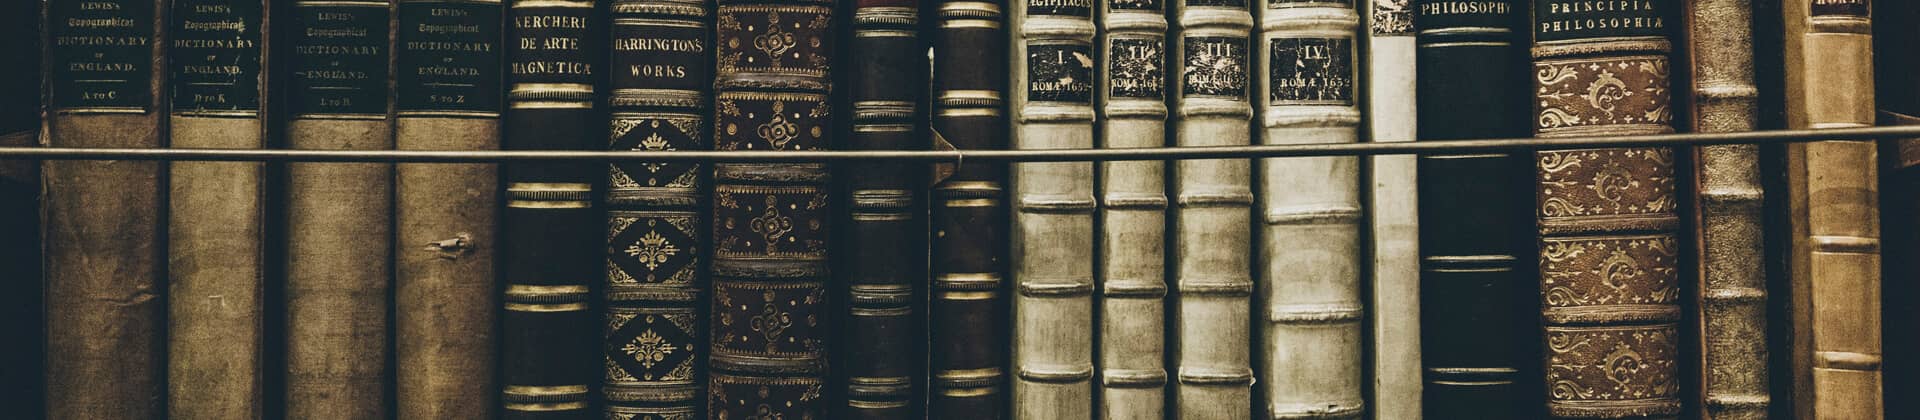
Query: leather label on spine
x=1310, y=71
x=102, y=54
x=1077, y=8
x=339, y=59
x=778, y=39
x=1391, y=18
x=1854, y=8
x=651, y=249
x=215, y=55
x=1215, y=66
x=655, y=132
x=1602, y=91
x=771, y=121
x=1444, y=14
x=660, y=54
x=1059, y=72
x=449, y=56
x=1557, y=20
x=1136, y=71
x=1133, y=5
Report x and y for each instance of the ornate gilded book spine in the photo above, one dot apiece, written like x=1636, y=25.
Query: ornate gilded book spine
x=771, y=321
x=1394, y=214
x=1834, y=215
x=551, y=246
x=339, y=220
x=447, y=97
x=662, y=73
x=968, y=310
x=1475, y=323
x=1310, y=267
x=1733, y=280
x=1053, y=74
x=216, y=219
x=1133, y=217
x=1212, y=212
x=886, y=262
x=1608, y=239
x=105, y=348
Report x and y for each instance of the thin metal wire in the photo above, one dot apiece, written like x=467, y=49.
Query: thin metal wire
x=1443, y=147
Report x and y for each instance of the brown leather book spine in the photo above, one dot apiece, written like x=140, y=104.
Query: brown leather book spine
x=771, y=319
x=102, y=231
x=1607, y=218
x=216, y=218
x=967, y=313
x=339, y=221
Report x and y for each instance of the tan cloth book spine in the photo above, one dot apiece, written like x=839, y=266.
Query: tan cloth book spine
x=1133, y=212
x=1393, y=214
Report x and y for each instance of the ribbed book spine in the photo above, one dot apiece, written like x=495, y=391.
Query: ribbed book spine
x=661, y=73
x=1309, y=268
x=967, y=313
x=1132, y=375
x=216, y=218
x=447, y=96
x=1832, y=196
x=1476, y=320
x=102, y=219
x=339, y=234
x=1393, y=211
x=886, y=256
x=1053, y=76
x=1732, y=291
x=771, y=319
x=550, y=233
x=1212, y=211
x=1607, y=224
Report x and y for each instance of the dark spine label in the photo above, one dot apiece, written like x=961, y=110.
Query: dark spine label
x=1060, y=73
x=1854, y=8
x=102, y=53
x=1215, y=66
x=1311, y=71
x=1556, y=20
x=449, y=56
x=1153, y=5
x=659, y=54
x=339, y=59
x=1078, y=8
x=215, y=55
x=554, y=45
x=1238, y=4
x=1137, y=68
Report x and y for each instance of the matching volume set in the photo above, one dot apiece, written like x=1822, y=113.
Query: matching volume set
x=1714, y=282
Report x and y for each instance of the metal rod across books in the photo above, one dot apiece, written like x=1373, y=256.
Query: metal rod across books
x=961, y=156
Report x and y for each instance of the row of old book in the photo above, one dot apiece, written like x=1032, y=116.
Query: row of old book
x=1730, y=281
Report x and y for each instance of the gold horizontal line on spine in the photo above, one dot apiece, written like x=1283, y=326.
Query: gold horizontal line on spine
x=550, y=105
x=772, y=96
x=669, y=23
x=969, y=392
x=970, y=112
x=971, y=202
x=1723, y=401
x=1233, y=199
x=1557, y=226
x=974, y=9
x=537, y=392
x=448, y=114
x=1467, y=44
x=1196, y=375
x=1045, y=204
x=1056, y=289
x=1058, y=374
x=967, y=281
x=1228, y=288
x=1312, y=215
x=100, y=110
x=1318, y=410
x=884, y=33
x=774, y=8
x=566, y=406
x=1473, y=383
x=1118, y=288
x=1133, y=378
x=881, y=217
x=1827, y=244
x=219, y=114
x=533, y=204
x=1474, y=371
x=1735, y=294
x=1471, y=259
x=1841, y=25
x=1845, y=360
x=1467, y=30
x=544, y=290
x=881, y=312
x=339, y=3
x=1138, y=202
x=962, y=375
x=573, y=4
x=546, y=307
x=1314, y=314
x=1611, y=314
x=1731, y=195
x=345, y=117
x=875, y=405
x=882, y=128
x=881, y=381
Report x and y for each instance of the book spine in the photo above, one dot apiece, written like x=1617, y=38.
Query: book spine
x=1476, y=324
x=216, y=218
x=339, y=225
x=1607, y=224
x=550, y=231
x=886, y=261
x=661, y=74
x=1729, y=198
x=1393, y=211
x=1895, y=97
x=1834, y=216
x=103, y=249
x=447, y=97
x=771, y=319
x=21, y=90
x=1310, y=343
x=968, y=308
x=1053, y=77
x=1133, y=214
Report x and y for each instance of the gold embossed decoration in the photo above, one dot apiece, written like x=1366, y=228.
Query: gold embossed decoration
x=1603, y=91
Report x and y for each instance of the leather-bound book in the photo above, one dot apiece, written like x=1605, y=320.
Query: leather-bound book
x=1132, y=379
x=968, y=304
x=1053, y=326
x=1212, y=211
x=661, y=72
x=1606, y=218
x=1732, y=288
x=1897, y=96
x=1833, y=212
x=1476, y=324
x=551, y=246
x=771, y=320
x=1310, y=342
x=339, y=221
x=20, y=124
x=885, y=259
x=447, y=97
x=1393, y=213
x=216, y=218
